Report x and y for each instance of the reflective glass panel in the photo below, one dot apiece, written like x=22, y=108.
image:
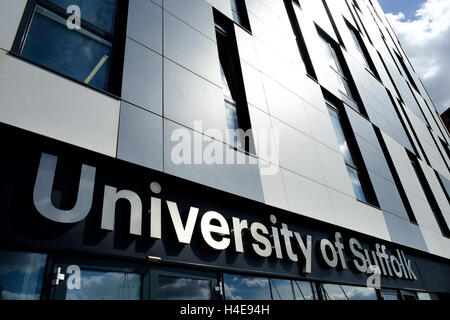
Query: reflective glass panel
x=333, y=292
x=343, y=146
x=103, y=285
x=356, y=183
x=360, y=293
x=329, y=54
x=359, y=48
x=246, y=288
x=173, y=288
x=427, y=296
x=21, y=275
x=232, y=124
x=225, y=85
x=304, y=290
x=341, y=292
x=282, y=289
x=340, y=83
x=77, y=54
x=390, y=295
x=100, y=13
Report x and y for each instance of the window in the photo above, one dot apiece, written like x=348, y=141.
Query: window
x=359, y=46
x=390, y=295
x=282, y=289
x=341, y=292
x=258, y=288
x=427, y=296
x=337, y=71
x=406, y=71
x=355, y=174
x=92, y=55
x=299, y=38
x=304, y=290
x=240, y=15
x=21, y=275
x=173, y=288
x=440, y=219
x=235, y=100
x=106, y=285
x=246, y=288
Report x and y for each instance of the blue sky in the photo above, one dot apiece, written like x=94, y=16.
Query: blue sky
x=408, y=7
x=419, y=31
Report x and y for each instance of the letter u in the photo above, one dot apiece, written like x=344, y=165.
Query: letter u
x=43, y=191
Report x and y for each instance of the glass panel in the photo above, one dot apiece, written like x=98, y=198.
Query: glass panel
x=237, y=17
x=338, y=292
x=77, y=54
x=340, y=82
x=360, y=293
x=225, y=85
x=104, y=285
x=282, y=289
x=358, y=47
x=423, y=296
x=173, y=288
x=329, y=54
x=390, y=295
x=304, y=290
x=99, y=13
x=343, y=146
x=234, y=5
x=21, y=275
x=356, y=183
x=427, y=296
x=233, y=124
x=409, y=295
x=333, y=292
x=246, y=288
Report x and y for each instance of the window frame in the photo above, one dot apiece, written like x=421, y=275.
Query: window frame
x=358, y=161
x=242, y=13
x=117, y=40
x=227, y=45
x=340, y=71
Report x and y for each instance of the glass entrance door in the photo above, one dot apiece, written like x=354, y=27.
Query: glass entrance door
x=82, y=279
x=177, y=284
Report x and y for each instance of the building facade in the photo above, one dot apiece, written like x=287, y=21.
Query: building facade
x=122, y=176
x=446, y=118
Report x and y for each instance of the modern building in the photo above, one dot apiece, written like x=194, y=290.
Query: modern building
x=446, y=118
x=120, y=176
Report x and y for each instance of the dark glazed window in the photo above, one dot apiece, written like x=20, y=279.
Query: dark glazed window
x=100, y=13
x=91, y=54
x=282, y=289
x=107, y=285
x=304, y=290
x=21, y=275
x=173, y=288
x=240, y=15
x=342, y=292
x=246, y=288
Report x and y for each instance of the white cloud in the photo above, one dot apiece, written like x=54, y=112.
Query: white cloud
x=426, y=40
